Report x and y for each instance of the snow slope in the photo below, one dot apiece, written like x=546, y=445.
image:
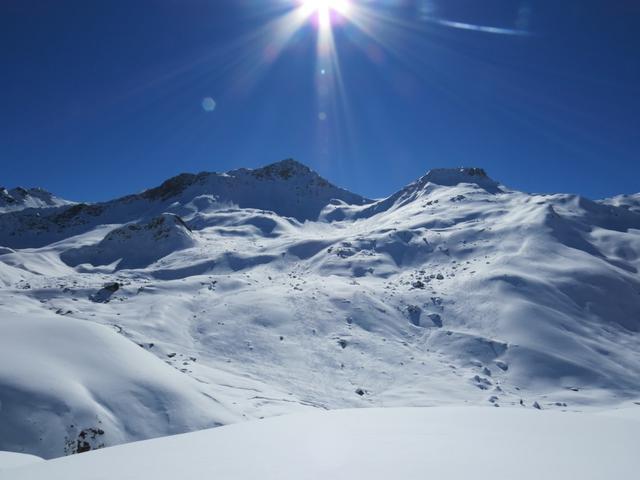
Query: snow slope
x=13, y=460
x=84, y=383
x=271, y=296
x=21, y=198
x=137, y=244
x=444, y=443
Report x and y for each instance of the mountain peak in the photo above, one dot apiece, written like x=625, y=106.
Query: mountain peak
x=444, y=177
x=450, y=177
x=288, y=188
x=19, y=198
x=454, y=176
x=284, y=169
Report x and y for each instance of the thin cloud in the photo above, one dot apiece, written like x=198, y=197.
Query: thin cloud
x=481, y=28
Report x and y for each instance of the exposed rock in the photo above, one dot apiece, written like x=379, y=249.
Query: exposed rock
x=414, y=313
x=436, y=319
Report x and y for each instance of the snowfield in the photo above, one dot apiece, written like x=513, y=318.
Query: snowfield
x=218, y=298
x=11, y=460
x=379, y=443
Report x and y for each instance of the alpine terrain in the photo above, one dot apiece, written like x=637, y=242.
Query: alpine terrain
x=217, y=298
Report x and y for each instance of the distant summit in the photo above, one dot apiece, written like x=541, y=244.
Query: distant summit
x=285, y=170
x=455, y=176
x=287, y=188
x=450, y=177
x=20, y=198
x=438, y=177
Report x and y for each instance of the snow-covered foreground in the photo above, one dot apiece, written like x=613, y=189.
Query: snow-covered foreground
x=403, y=443
x=11, y=460
x=218, y=298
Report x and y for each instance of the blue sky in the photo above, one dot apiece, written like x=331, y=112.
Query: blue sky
x=101, y=99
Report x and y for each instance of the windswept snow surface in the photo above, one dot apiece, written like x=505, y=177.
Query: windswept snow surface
x=375, y=444
x=216, y=298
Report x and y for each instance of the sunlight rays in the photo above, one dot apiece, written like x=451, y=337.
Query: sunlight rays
x=386, y=32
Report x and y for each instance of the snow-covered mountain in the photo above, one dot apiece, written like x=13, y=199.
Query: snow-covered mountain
x=215, y=298
x=286, y=188
x=20, y=198
x=630, y=202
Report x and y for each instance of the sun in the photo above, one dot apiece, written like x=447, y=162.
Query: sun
x=341, y=6
x=325, y=8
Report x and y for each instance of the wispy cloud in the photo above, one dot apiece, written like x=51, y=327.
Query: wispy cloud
x=481, y=28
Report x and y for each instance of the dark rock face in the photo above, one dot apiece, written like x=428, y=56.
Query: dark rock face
x=285, y=170
x=75, y=212
x=414, y=313
x=475, y=172
x=6, y=198
x=112, y=287
x=436, y=319
x=172, y=187
x=88, y=439
x=104, y=294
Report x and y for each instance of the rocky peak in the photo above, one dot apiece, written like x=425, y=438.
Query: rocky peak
x=451, y=177
x=284, y=170
x=455, y=176
x=445, y=177
x=172, y=187
x=287, y=188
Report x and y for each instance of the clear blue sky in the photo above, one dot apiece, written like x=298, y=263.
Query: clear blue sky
x=103, y=98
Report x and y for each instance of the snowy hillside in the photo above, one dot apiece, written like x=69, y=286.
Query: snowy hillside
x=375, y=444
x=216, y=298
x=286, y=188
x=20, y=198
x=136, y=244
x=630, y=202
x=84, y=383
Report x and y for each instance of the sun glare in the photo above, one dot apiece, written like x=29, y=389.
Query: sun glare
x=324, y=9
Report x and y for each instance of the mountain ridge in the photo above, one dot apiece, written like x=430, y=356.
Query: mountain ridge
x=286, y=169
x=287, y=188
